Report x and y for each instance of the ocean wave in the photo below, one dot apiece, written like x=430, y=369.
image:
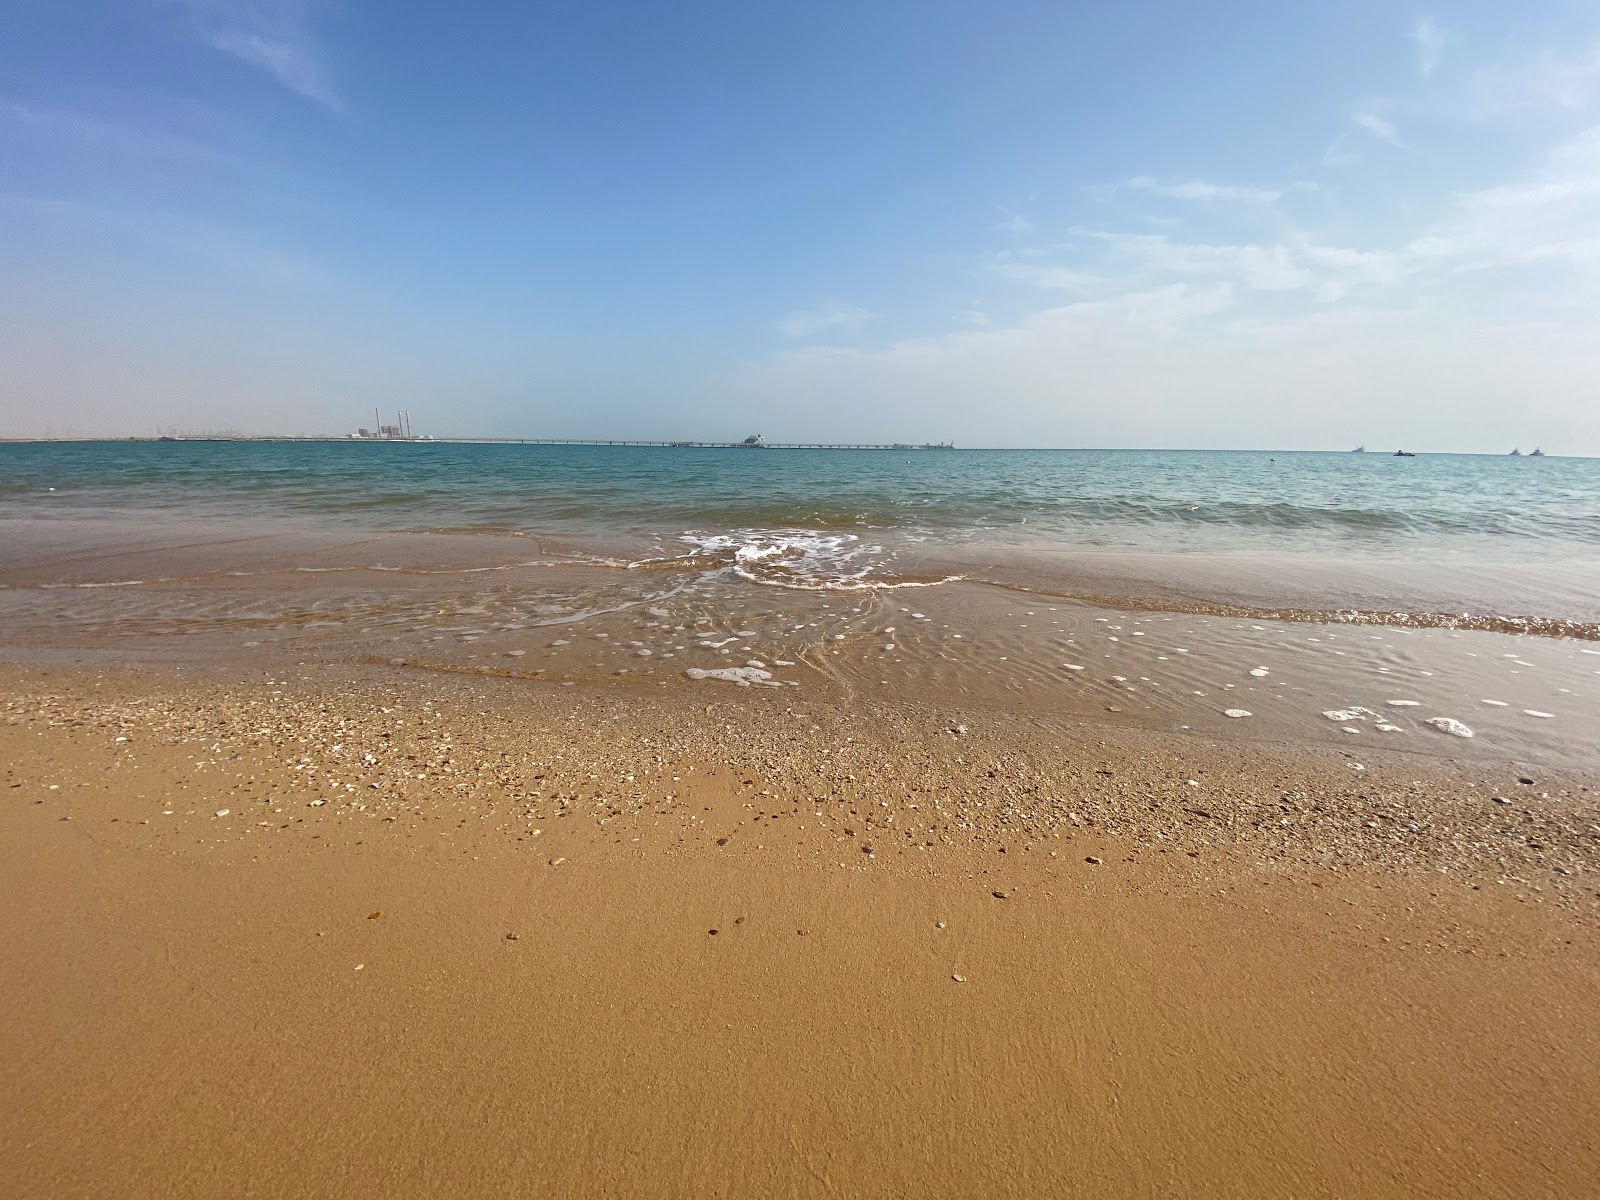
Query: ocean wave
x=801, y=559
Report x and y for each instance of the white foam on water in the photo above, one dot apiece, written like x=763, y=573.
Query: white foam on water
x=1384, y=727
x=1404, y=703
x=803, y=559
x=1343, y=714
x=1449, y=725
x=1534, y=712
x=1237, y=712
x=743, y=676
x=1072, y=666
x=1496, y=703
x=1260, y=672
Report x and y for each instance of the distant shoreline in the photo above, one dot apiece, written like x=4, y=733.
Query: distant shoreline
x=349, y=439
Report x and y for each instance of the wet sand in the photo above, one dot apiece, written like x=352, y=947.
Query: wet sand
x=350, y=929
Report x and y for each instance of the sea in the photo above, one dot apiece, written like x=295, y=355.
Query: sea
x=1104, y=582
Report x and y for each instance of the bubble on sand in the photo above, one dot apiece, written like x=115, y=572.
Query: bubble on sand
x=658, y=612
x=1237, y=712
x=1449, y=725
x=643, y=653
x=1072, y=666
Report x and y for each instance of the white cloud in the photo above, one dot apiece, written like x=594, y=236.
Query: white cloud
x=808, y=322
x=1199, y=189
x=1041, y=275
x=274, y=35
x=1378, y=126
x=1551, y=214
x=1291, y=263
x=1429, y=39
x=1014, y=223
x=1178, y=366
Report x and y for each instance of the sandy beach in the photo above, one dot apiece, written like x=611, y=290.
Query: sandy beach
x=377, y=931
x=665, y=601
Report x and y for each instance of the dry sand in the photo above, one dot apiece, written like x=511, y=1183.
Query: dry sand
x=471, y=936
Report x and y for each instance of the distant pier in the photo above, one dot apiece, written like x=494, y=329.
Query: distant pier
x=709, y=445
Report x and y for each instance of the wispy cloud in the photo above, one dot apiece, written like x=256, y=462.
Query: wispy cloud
x=1200, y=189
x=1040, y=275
x=274, y=35
x=1428, y=37
x=1550, y=215
x=1013, y=223
x=830, y=314
x=1378, y=126
x=90, y=132
x=175, y=237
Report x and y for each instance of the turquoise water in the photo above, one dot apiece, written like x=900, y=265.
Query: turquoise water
x=1436, y=506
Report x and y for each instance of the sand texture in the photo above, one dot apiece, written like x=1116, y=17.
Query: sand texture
x=359, y=931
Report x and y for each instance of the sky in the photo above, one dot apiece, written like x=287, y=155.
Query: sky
x=1161, y=224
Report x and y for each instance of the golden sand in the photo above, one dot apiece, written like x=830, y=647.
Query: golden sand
x=363, y=932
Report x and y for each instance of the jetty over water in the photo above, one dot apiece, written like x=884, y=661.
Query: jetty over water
x=745, y=445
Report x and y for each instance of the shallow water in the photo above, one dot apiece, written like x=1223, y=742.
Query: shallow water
x=975, y=651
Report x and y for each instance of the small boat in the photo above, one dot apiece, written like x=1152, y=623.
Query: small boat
x=1516, y=452
x=1359, y=450
x=1536, y=453
x=1404, y=454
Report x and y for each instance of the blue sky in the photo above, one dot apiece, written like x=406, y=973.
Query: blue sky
x=1158, y=224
